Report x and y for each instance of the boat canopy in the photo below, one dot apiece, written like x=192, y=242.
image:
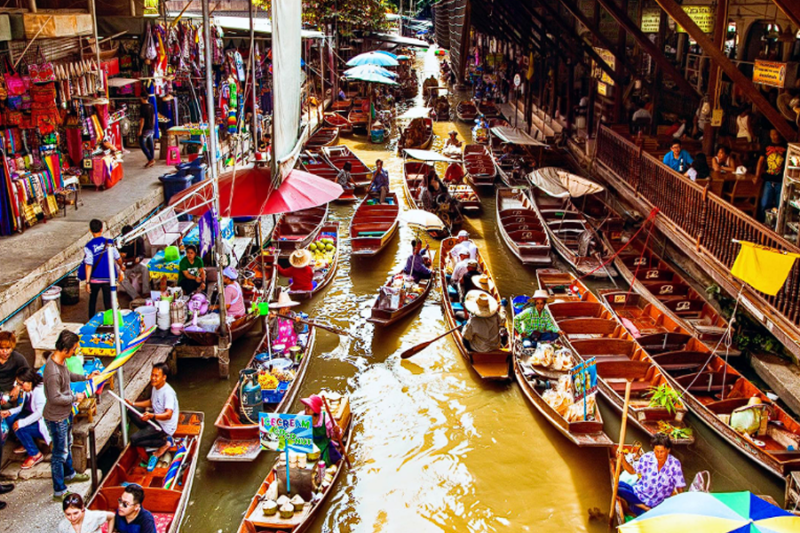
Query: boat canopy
x=427, y=155
x=416, y=112
x=559, y=183
x=515, y=136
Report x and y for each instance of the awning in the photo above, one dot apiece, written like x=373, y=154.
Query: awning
x=515, y=136
x=396, y=39
x=427, y=155
x=260, y=25
x=559, y=183
x=415, y=112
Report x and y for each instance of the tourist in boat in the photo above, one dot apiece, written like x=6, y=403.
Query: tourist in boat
x=380, y=181
x=474, y=282
x=345, y=178
x=660, y=476
x=28, y=423
x=191, y=272
x=723, y=162
x=300, y=271
x=166, y=411
x=677, y=158
x=79, y=519
x=535, y=324
x=483, y=330
x=131, y=516
x=326, y=431
x=234, y=298
x=452, y=141
x=462, y=268
x=284, y=324
x=464, y=243
x=418, y=263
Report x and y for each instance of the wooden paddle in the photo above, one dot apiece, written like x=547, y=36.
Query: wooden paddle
x=332, y=329
x=618, y=470
x=338, y=433
x=414, y=350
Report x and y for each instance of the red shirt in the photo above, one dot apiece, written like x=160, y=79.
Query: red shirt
x=301, y=277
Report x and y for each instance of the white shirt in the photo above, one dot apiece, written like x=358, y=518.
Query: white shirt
x=459, y=270
x=93, y=522
x=468, y=246
x=163, y=399
x=642, y=113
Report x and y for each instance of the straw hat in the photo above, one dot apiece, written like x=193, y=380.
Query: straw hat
x=481, y=304
x=300, y=258
x=284, y=300
x=482, y=281
x=540, y=294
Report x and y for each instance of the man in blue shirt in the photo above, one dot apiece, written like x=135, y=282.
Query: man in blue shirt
x=677, y=158
x=380, y=181
x=131, y=516
x=417, y=263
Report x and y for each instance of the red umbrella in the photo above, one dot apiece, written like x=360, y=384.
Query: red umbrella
x=251, y=194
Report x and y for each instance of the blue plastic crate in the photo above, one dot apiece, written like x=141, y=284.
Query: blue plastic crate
x=275, y=396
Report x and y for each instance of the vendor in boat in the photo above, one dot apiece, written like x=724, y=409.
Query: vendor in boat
x=483, y=331
x=165, y=412
x=300, y=271
x=660, y=476
x=326, y=431
x=380, y=181
x=535, y=324
x=192, y=274
x=434, y=194
x=418, y=263
x=454, y=175
x=464, y=243
x=284, y=324
x=234, y=298
x=345, y=178
x=452, y=141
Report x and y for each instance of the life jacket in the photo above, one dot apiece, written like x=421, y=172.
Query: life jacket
x=100, y=271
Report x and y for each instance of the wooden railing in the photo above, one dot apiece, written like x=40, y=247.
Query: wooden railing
x=703, y=217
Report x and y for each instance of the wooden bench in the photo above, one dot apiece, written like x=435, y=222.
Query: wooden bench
x=165, y=234
x=44, y=326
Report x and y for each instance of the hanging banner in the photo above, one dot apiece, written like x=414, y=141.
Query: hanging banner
x=584, y=379
x=770, y=73
x=286, y=46
x=651, y=19
x=281, y=431
x=703, y=16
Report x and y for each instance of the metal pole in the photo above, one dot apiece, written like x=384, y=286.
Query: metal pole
x=254, y=135
x=93, y=457
x=322, y=75
x=112, y=276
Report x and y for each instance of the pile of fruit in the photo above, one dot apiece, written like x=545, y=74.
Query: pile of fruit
x=267, y=381
x=282, y=375
x=323, y=251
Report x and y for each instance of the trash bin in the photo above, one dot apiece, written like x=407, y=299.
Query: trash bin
x=196, y=168
x=175, y=183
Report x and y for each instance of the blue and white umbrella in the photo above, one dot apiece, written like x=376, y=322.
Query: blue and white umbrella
x=370, y=69
x=386, y=52
x=373, y=58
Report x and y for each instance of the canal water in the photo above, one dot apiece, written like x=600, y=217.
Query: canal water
x=434, y=449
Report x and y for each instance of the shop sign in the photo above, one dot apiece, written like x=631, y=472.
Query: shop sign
x=608, y=57
x=703, y=16
x=651, y=19
x=770, y=73
x=602, y=89
x=584, y=379
x=282, y=431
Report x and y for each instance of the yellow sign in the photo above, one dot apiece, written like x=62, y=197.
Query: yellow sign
x=651, y=19
x=716, y=118
x=770, y=73
x=608, y=57
x=602, y=88
x=703, y=16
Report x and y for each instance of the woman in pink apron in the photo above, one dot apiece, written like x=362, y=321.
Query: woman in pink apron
x=284, y=324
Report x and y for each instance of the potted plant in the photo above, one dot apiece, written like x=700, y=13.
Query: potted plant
x=667, y=398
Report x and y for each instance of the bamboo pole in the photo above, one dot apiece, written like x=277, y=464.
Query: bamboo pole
x=618, y=469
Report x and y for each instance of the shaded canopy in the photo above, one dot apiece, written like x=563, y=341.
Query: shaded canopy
x=561, y=184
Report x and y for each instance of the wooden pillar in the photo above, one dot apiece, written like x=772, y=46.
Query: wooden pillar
x=570, y=92
x=590, y=114
x=659, y=75
x=619, y=89
x=32, y=6
x=715, y=75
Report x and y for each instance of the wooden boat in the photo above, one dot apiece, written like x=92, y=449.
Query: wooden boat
x=488, y=109
x=237, y=437
x=498, y=122
x=522, y=228
x=512, y=170
x=533, y=381
x=666, y=288
x=466, y=111
x=374, y=225
x=335, y=120
x=409, y=87
x=318, y=164
x=565, y=225
x=414, y=173
x=468, y=199
x=339, y=155
x=323, y=137
x=711, y=388
x=342, y=106
x=384, y=316
x=298, y=229
x=324, y=271
x=168, y=505
x=255, y=521
x=427, y=139
x=491, y=366
x=592, y=331
x=479, y=165
x=357, y=116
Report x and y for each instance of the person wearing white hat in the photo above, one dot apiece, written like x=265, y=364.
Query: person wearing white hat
x=234, y=298
x=300, y=271
x=461, y=268
x=284, y=324
x=483, y=331
x=463, y=244
x=535, y=323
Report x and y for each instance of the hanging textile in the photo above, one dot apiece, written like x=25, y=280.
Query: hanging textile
x=8, y=218
x=207, y=230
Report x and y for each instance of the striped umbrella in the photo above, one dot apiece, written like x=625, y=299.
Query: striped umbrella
x=172, y=473
x=725, y=512
x=373, y=58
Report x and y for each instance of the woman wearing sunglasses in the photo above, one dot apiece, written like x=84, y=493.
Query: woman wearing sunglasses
x=78, y=519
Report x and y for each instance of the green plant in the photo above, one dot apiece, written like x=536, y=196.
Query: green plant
x=675, y=433
x=664, y=396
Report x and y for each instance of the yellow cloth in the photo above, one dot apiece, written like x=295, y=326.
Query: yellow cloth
x=529, y=74
x=765, y=269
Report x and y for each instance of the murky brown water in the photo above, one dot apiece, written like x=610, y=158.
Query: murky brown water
x=434, y=449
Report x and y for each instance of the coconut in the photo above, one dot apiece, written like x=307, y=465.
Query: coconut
x=269, y=508
x=314, y=454
x=272, y=491
x=287, y=510
x=298, y=502
x=283, y=500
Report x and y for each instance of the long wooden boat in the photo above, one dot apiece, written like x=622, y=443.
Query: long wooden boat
x=323, y=137
x=565, y=225
x=341, y=106
x=385, y=316
x=479, y=165
x=522, y=158
x=488, y=109
x=711, y=388
x=426, y=141
x=467, y=198
x=237, y=437
x=490, y=366
x=533, y=383
x=522, y=227
x=339, y=155
x=357, y=116
x=664, y=286
x=255, y=521
x=166, y=490
x=374, y=224
x=592, y=331
x=298, y=229
x=466, y=111
x=335, y=120
x=414, y=173
x=316, y=163
x=324, y=268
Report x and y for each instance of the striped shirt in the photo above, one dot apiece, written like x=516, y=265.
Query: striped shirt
x=530, y=321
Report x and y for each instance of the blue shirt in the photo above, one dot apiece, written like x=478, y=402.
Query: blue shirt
x=380, y=179
x=418, y=270
x=143, y=523
x=675, y=162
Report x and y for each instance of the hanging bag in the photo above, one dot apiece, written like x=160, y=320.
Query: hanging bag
x=14, y=83
x=42, y=72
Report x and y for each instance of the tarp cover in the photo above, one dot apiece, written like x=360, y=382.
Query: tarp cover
x=263, y=26
x=561, y=184
x=416, y=112
x=427, y=155
x=515, y=136
x=286, y=46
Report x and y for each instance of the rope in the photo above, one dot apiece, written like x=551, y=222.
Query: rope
x=639, y=263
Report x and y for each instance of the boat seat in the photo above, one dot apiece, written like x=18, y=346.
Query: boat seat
x=587, y=326
x=637, y=387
